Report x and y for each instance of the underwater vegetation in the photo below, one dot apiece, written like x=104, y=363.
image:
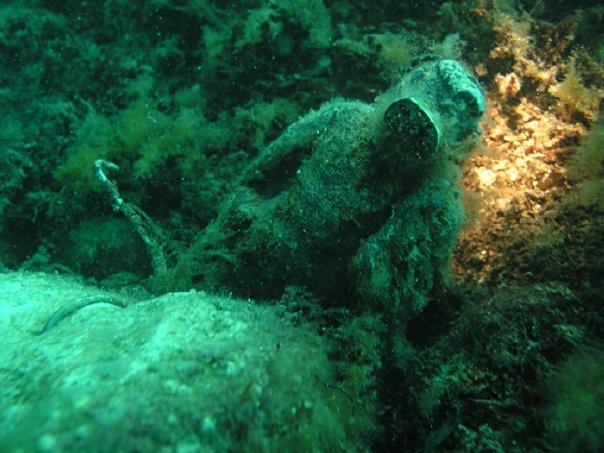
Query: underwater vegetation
x=360, y=226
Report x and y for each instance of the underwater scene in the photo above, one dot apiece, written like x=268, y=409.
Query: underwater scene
x=301, y=226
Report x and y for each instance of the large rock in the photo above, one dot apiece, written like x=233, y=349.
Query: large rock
x=87, y=370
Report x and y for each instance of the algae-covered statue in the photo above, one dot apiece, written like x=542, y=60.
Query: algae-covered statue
x=354, y=201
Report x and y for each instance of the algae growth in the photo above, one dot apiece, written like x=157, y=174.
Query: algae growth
x=361, y=265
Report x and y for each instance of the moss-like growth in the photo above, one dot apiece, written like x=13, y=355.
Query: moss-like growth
x=587, y=166
x=576, y=417
x=576, y=99
x=103, y=247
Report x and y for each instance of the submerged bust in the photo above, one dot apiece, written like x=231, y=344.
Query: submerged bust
x=354, y=201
